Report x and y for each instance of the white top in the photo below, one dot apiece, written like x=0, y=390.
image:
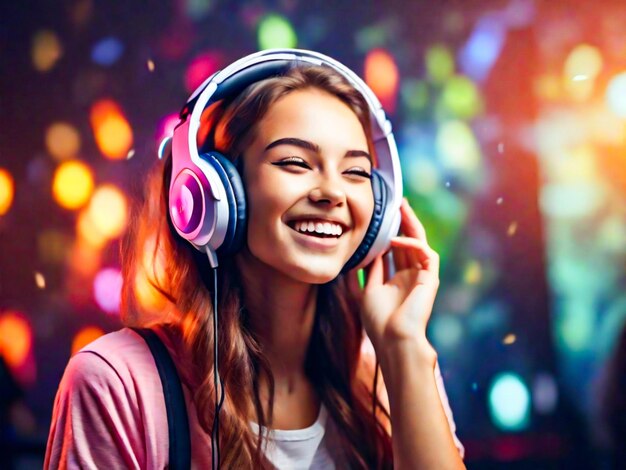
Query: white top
x=306, y=448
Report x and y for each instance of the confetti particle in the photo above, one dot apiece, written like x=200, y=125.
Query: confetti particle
x=509, y=339
x=499, y=200
x=501, y=147
x=474, y=386
x=512, y=229
x=447, y=184
x=150, y=65
x=40, y=280
x=579, y=78
x=131, y=154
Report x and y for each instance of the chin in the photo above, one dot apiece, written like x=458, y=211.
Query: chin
x=317, y=271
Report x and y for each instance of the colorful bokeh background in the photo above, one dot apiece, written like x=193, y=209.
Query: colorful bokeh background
x=510, y=116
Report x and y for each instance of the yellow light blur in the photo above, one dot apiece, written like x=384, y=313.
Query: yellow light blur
x=88, y=232
x=112, y=131
x=439, y=63
x=582, y=66
x=381, y=74
x=108, y=210
x=72, y=184
x=15, y=338
x=85, y=336
x=547, y=87
x=583, y=61
x=40, y=280
x=46, y=50
x=7, y=190
x=458, y=146
x=473, y=273
x=62, y=141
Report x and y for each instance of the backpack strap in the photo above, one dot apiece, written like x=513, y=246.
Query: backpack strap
x=177, y=420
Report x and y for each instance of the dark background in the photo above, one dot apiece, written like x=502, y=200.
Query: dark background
x=517, y=174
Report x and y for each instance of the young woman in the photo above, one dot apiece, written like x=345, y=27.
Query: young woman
x=299, y=386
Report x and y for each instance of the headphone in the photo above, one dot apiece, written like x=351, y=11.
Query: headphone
x=207, y=201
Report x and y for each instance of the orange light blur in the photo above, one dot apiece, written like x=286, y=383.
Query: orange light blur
x=381, y=74
x=15, y=338
x=84, y=259
x=112, y=131
x=72, y=184
x=62, y=141
x=84, y=337
x=7, y=190
x=88, y=232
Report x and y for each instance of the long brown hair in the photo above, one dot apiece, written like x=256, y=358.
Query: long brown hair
x=182, y=276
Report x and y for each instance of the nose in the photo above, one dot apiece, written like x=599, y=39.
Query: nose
x=329, y=192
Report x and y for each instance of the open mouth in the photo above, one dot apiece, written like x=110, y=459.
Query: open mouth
x=316, y=230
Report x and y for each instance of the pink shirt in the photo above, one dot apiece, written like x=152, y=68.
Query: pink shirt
x=109, y=411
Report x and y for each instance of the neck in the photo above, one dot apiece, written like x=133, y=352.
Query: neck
x=282, y=312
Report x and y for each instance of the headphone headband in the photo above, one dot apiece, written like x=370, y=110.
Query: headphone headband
x=232, y=80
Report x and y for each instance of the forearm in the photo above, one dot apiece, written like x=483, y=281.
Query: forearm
x=421, y=435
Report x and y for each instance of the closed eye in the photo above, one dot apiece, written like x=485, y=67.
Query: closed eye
x=292, y=161
x=361, y=173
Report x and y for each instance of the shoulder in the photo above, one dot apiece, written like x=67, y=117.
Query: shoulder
x=116, y=360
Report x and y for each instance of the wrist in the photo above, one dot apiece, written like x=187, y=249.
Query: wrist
x=416, y=352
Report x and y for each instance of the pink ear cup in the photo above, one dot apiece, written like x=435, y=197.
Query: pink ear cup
x=187, y=204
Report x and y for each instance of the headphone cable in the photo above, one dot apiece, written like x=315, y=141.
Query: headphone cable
x=217, y=383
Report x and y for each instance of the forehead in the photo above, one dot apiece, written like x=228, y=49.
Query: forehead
x=316, y=115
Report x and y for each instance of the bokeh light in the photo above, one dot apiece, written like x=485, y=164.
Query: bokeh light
x=275, y=31
x=166, y=126
x=46, y=50
x=72, y=184
x=112, y=131
x=461, y=97
x=201, y=68
x=108, y=210
x=616, y=95
x=107, y=290
x=107, y=51
x=545, y=393
x=381, y=74
x=458, y=146
x=15, y=338
x=509, y=402
x=439, y=63
x=88, y=232
x=85, y=336
x=62, y=141
x=7, y=190
x=84, y=260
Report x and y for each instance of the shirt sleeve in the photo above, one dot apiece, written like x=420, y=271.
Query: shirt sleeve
x=95, y=421
x=446, y=408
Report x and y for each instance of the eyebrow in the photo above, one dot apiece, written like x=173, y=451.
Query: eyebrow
x=305, y=144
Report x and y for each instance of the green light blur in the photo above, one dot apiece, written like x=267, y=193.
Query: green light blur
x=439, y=63
x=461, y=97
x=276, y=32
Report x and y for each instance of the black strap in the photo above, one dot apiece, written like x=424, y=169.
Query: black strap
x=177, y=421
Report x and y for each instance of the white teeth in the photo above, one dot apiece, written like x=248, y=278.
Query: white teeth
x=318, y=227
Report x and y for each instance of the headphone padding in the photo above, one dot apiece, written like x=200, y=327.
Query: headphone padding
x=381, y=192
x=235, y=195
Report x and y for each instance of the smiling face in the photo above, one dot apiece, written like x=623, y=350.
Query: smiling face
x=307, y=169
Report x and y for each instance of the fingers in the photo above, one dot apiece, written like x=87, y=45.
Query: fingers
x=375, y=273
x=410, y=225
x=418, y=252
